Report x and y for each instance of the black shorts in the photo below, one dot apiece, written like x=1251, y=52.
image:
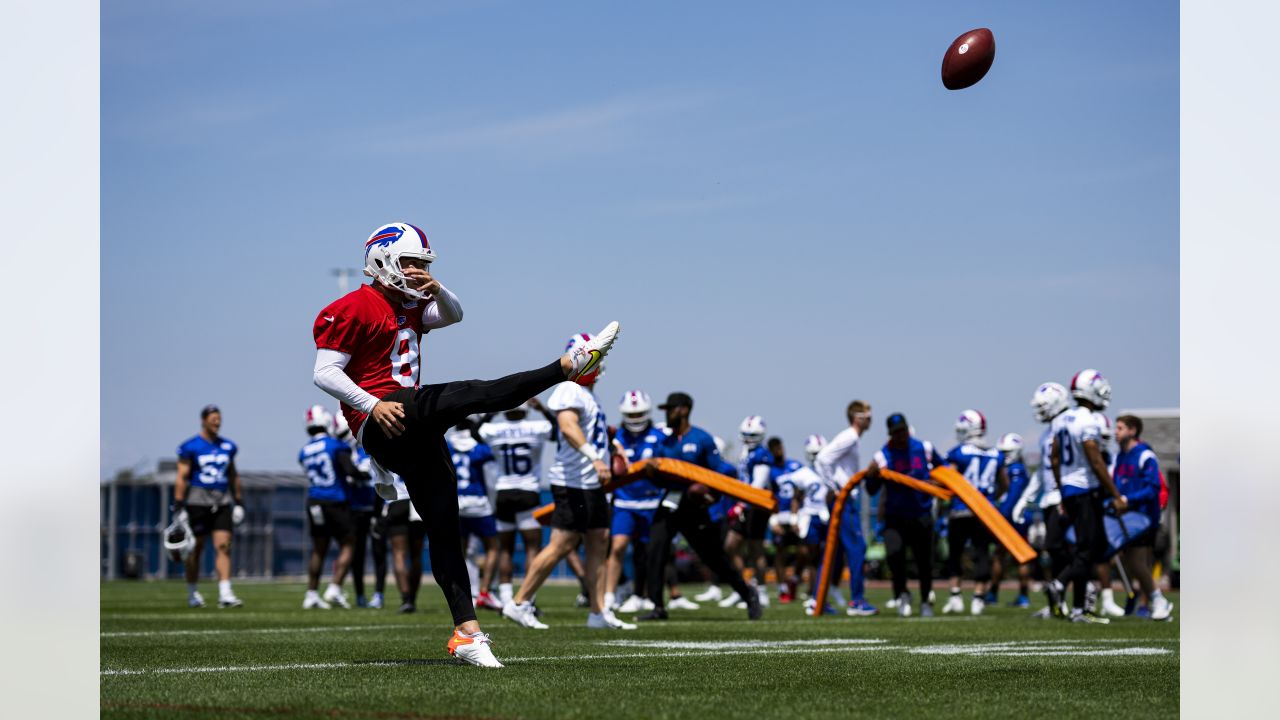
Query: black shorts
x=579, y=510
x=756, y=521
x=329, y=519
x=205, y=519
x=512, y=507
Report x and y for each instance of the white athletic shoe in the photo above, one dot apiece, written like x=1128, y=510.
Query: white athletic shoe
x=230, y=601
x=955, y=604
x=977, y=605
x=313, y=601
x=588, y=357
x=635, y=604
x=681, y=603
x=1109, y=606
x=522, y=614
x=891, y=604
x=1161, y=608
x=731, y=601
x=711, y=594
x=375, y=603
x=334, y=595
x=474, y=650
x=195, y=600
x=904, y=605
x=763, y=593
x=607, y=621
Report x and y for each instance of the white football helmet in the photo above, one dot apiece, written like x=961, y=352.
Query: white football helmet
x=179, y=541
x=1049, y=401
x=637, y=411
x=720, y=444
x=970, y=426
x=1105, y=430
x=387, y=245
x=812, y=446
x=1090, y=385
x=575, y=341
x=1011, y=445
x=752, y=431
x=318, y=418
x=341, y=429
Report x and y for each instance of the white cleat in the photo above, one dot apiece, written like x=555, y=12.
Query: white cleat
x=891, y=604
x=732, y=601
x=335, y=596
x=587, y=358
x=607, y=621
x=230, y=601
x=904, y=605
x=681, y=603
x=522, y=614
x=195, y=600
x=1161, y=609
x=763, y=594
x=977, y=606
x=955, y=604
x=1109, y=606
x=376, y=602
x=711, y=594
x=636, y=604
x=473, y=650
x=313, y=602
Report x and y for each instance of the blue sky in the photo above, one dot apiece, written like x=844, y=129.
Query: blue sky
x=783, y=206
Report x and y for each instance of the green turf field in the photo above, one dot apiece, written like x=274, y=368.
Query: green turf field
x=269, y=658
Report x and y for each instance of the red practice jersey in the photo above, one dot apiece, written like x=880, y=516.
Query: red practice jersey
x=382, y=339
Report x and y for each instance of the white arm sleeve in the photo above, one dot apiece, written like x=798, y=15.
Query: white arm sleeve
x=330, y=377
x=760, y=476
x=443, y=310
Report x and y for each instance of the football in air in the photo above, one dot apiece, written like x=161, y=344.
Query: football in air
x=968, y=59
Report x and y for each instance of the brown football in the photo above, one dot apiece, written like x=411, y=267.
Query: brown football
x=618, y=466
x=968, y=59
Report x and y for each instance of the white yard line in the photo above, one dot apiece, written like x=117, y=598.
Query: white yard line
x=256, y=631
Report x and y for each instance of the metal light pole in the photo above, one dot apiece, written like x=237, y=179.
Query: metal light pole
x=344, y=276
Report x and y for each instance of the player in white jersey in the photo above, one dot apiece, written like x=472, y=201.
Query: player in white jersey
x=1048, y=402
x=517, y=441
x=1081, y=473
x=836, y=462
x=581, y=510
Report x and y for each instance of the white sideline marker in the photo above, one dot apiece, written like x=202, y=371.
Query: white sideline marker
x=255, y=631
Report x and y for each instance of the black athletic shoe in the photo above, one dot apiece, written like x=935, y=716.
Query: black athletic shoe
x=754, y=610
x=654, y=614
x=408, y=608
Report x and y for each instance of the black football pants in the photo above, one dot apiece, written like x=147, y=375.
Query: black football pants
x=1084, y=512
x=691, y=520
x=916, y=534
x=421, y=458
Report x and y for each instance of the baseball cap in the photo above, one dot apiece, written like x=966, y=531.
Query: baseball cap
x=897, y=421
x=677, y=399
x=208, y=410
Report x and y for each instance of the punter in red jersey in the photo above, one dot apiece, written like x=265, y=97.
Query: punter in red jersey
x=368, y=345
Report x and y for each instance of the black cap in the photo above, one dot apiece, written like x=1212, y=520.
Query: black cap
x=208, y=410
x=897, y=421
x=677, y=399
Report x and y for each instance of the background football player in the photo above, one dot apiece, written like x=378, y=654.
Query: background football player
x=473, y=464
x=835, y=463
x=1049, y=401
x=1010, y=447
x=634, y=503
x=748, y=525
x=366, y=507
x=328, y=465
x=982, y=467
x=207, y=498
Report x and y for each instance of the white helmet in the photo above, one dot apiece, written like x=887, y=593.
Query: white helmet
x=179, y=541
x=1049, y=401
x=752, y=431
x=812, y=445
x=318, y=417
x=1090, y=385
x=971, y=425
x=637, y=410
x=1105, y=429
x=575, y=341
x=720, y=445
x=1011, y=445
x=341, y=429
x=387, y=245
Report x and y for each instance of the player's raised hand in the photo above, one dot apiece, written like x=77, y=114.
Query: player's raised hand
x=389, y=415
x=421, y=280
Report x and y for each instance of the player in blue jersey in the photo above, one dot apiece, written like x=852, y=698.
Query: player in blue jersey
x=684, y=511
x=207, y=499
x=748, y=525
x=328, y=464
x=1137, y=477
x=908, y=513
x=365, y=506
x=472, y=465
x=1010, y=446
x=783, y=525
x=983, y=467
x=634, y=503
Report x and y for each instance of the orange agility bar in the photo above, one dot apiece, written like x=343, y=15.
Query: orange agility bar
x=982, y=508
